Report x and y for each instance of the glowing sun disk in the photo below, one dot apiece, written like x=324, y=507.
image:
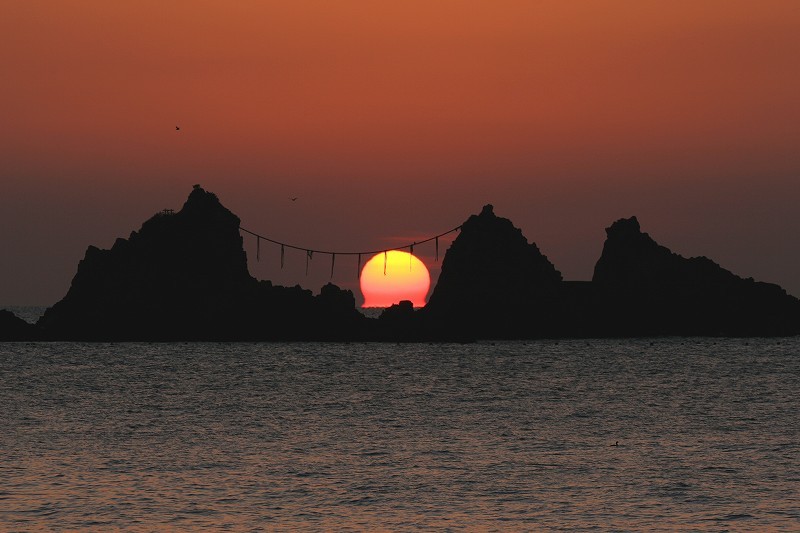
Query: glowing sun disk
x=387, y=279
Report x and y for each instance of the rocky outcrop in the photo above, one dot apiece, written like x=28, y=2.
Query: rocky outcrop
x=493, y=284
x=642, y=288
x=13, y=328
x=183, y=276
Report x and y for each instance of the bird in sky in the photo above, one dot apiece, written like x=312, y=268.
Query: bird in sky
x=177, y=128
x=294, y=199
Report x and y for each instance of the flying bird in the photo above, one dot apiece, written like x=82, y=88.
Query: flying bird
x=293, y=199
x=177, y=128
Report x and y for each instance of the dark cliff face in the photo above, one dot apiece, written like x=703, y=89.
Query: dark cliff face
x=493, y=282
x=642, y=288
x=625, y=254
x=179, y=272
x=13, y=328
x=184, y=276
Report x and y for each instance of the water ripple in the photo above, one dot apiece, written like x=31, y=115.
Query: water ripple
x=353, y=437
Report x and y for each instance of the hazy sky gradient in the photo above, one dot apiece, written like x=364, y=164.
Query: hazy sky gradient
x=396, y=120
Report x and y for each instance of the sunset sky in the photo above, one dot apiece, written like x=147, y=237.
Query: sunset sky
x=394, y=121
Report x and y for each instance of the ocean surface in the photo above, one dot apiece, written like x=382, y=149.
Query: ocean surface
x=507, y=436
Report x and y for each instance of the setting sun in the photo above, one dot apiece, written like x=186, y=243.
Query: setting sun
x=388, y=278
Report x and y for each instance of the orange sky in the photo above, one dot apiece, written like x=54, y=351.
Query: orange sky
x=399, y=119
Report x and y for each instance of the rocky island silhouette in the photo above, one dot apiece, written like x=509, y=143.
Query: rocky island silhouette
x=183, y=277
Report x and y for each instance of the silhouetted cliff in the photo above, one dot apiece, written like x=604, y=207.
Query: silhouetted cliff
x=493, y=284
x=642, y=288
x=13, y=328
x=183, y=276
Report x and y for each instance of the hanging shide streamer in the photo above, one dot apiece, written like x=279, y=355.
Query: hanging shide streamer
x=410, y=257
x=309, y=252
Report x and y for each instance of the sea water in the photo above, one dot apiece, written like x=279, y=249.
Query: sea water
x=646, y=434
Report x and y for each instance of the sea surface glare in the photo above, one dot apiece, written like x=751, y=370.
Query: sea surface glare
x=505, y=436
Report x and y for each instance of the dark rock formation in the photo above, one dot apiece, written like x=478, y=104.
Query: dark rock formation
x=398, y=322
x=642, y=288
x=493, y=284
x=13, y=328
x=183, y=276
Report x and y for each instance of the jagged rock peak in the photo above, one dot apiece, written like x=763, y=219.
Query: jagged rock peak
x=494, y=244
x=646, y=289
x=186, y=266
x=491, y=276
x=202, y=203
x=624, y=226
x=200, y=199
x=489, y=232
x=628, y=252
x=625, y=239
